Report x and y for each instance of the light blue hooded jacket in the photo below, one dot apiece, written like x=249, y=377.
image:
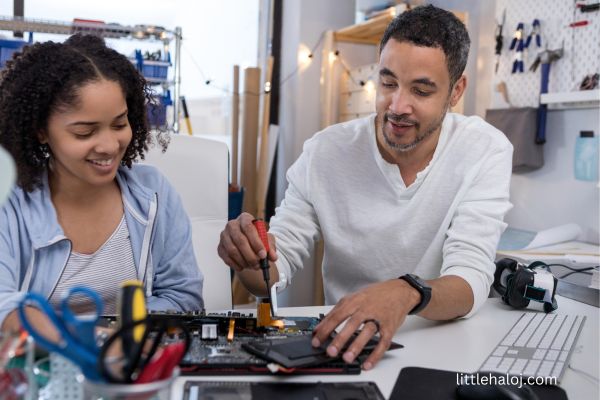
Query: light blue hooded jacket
x=34, y=249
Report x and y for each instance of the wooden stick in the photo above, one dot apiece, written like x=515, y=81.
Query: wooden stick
x=263, y=155
x=250, y=137
x=235, y=126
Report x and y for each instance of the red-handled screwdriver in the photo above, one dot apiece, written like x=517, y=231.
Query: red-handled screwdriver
x=577, y=24
x=261, y=228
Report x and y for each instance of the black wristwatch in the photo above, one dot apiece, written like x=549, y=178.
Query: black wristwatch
x=422, y=287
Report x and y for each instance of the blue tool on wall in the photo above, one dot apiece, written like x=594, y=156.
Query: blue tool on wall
x=77, y=333
x=545, y=58
x=518, y=45
x=535, y=31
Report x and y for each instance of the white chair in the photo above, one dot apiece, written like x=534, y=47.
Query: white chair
x=198, y=169
x=7, y=176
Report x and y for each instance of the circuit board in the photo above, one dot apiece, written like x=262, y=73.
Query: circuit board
x=224, y=354
x=217, y=341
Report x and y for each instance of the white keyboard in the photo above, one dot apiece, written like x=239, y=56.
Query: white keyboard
x=538, y=345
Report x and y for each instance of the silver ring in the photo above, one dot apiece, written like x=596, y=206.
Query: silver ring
x=374, y=321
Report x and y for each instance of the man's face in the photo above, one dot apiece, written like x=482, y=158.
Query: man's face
x=413, y=95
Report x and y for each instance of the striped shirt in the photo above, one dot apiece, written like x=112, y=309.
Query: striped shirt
x=102, y=271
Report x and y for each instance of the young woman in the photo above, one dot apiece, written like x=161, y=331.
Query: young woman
x=72, y=115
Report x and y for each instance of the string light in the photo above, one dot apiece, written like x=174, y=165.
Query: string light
x=305, y=57
x=333, y=55
x=370, y=87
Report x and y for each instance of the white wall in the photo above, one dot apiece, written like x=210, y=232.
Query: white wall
x=480, y=19
x=217, y=34
x=303, y=23
x=551, y=195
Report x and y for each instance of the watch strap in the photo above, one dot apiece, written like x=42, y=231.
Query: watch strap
x=423, y=288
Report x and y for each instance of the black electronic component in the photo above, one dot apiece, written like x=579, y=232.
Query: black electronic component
x=296, y=352
x=195, y=390
x=517, y=284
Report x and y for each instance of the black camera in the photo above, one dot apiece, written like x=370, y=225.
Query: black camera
x=519, y=284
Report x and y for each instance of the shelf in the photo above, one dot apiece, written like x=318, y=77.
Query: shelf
x=371, y=30
x=115, y=31
x=104, y=30
x=368, y=32
x=578, y=99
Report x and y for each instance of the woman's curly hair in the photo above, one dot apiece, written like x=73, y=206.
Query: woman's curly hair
x=44, y=78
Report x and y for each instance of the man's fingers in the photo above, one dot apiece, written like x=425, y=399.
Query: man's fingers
x=341, y=339
x=235, y=244
x=369, y=330
x=230, y=254
x=230, y=263
x=249, y=230
x=339, y=313
x=240, y=239
x=377, y=353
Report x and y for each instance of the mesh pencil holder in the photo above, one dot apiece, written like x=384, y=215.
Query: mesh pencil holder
x=158, y=390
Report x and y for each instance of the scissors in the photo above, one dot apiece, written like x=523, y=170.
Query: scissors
x=154, y=359
x=77, y=332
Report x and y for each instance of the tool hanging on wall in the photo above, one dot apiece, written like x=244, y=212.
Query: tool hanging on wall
x=499, y=40
x=517, y=45
x=588, y=7
x=503, y=90
x=535, y=31
x=545, y=58
x=578, y=24
x=589, y=82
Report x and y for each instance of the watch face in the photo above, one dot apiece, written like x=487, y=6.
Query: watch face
x=423, y=288
x=419, y=281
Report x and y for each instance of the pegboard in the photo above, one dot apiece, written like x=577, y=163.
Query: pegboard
x=581, y=47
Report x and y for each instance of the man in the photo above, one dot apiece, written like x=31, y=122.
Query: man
x=411, y=190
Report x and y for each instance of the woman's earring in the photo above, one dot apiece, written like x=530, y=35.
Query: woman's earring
x=42, y=154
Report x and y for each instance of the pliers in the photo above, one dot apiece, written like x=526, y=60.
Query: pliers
x=535, y=30
x=517, y=45
x=518, y=37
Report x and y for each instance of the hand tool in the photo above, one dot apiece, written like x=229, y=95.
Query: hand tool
x=264, y=263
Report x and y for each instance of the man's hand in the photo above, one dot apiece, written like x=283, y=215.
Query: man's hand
x=240, y=246
x=387, y=302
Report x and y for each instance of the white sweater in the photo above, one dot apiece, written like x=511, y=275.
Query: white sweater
x=448, y=222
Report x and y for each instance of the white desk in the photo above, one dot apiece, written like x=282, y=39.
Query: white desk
x=460, y=345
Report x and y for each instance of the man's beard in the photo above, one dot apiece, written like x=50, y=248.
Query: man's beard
x=401, y=118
